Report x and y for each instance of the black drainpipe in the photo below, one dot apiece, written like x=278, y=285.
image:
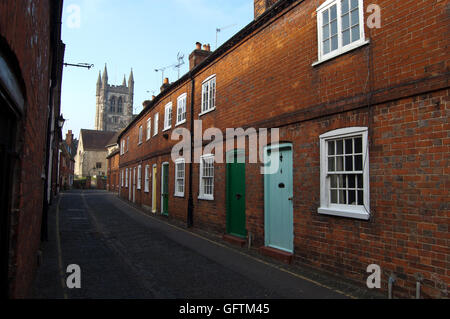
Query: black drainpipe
x=190, y=215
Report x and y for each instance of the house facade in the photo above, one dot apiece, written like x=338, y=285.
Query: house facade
x=67, y=152
x=361, y=107
x=90, y=159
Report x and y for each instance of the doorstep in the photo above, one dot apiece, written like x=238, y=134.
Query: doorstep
x=234, y=240
x=277, y=254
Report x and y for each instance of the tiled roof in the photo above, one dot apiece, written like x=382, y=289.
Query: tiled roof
x=96, y=140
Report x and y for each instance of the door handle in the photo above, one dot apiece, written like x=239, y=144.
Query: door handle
x=291, y=198
x=238, y=196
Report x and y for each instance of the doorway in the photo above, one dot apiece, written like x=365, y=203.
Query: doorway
x=235, y=193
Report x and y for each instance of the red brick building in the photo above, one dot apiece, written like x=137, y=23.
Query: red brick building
x=362, y=111
x=31, y=57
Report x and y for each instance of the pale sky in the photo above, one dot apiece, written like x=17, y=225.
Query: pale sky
x=141, y=34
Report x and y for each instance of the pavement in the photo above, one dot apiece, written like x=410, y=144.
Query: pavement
x=125, y=253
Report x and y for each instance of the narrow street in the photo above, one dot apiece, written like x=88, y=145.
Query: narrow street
x=124, y=253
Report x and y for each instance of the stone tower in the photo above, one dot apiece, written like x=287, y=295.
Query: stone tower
x=114, y=107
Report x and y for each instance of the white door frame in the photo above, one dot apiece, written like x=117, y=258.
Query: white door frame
x=162, y=184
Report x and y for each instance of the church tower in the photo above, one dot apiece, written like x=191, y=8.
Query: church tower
x=114, y=106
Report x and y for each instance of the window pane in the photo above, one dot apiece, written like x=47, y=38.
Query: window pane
x=360, y=198
x=352, y=197
x=334, y=179
x=339, y=163
x=326, y=32
x=341, y=181
x=358, y=163
x=334, y=27
x=333, y=13
x=326, y=46
x=345, y=22
x=346, y=37
x=340, y=147
x=358, y=145
x=349, y=163
x=360, y=181
x=334, y=197
x=355, y=17
x=325, y=17
x=349, y=146
x=342, y=197
x=355, y=33
x=344, y=6
x=354, y=4
x=334, y=43
x=331, y=148
x=351, y=181
x=331, y=167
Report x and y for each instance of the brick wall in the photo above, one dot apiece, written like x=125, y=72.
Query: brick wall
x=396, y=85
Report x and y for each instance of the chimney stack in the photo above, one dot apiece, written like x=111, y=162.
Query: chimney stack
x=165, y=84
x=146, y=103
x=261, y=6
x=69, y=138
x=199, y=55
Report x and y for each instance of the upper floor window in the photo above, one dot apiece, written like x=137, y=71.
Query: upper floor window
x=181, y=109
x=149, y=128
x=98, y=165
x=340, y=26
x=141, y=133
x=155, y=126
x=128, y=142
x=168, y=117
x=209, y=95
x=344, y=173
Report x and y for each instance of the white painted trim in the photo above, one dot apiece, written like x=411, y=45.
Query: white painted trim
x=208, y=78
x=179, y=161
x=201, y=195
x=166, y=127
x=209, y=111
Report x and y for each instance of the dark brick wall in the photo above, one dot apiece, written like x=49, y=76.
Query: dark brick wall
x=26, y=27
x=397, y=85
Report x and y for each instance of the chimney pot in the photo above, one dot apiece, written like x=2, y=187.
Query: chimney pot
x=166, y=80
x=208, y=47
x=198, y=46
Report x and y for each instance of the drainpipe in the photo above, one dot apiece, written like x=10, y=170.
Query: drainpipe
x=419, y=279
x=190, y=214
x=392, y=280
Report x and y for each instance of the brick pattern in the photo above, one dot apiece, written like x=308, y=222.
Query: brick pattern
x=397, y=85
x=25, y=25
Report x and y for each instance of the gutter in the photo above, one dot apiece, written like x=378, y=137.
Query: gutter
x=190, y=212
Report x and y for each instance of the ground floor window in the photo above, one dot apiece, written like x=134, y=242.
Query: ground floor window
x=179, y=177
x=344, y=173
x=207, y=177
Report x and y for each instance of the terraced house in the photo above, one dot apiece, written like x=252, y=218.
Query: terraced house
x=360, y=94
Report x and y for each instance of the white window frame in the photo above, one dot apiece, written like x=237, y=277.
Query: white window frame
x=128, y=143
x=147, y=179
x=202, y=194
x=177, y=179
x=121, y=177
x=139, y=177
x=350, y=211
x=341, y=49
x=149, y=128
x=181, y=109
x=208, y=95
x=155, y=125
x=168, y=117
x=141, y=134
x=126, y=177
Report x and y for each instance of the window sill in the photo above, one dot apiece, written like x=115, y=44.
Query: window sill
x=180, y=123
x=205, y=197
x=340, y=52
x=167, y=129
x=356, y=213
x=179, y=195
x=206, y=112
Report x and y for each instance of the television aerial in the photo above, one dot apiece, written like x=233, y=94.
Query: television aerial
x=218, y=30
x=178, y=65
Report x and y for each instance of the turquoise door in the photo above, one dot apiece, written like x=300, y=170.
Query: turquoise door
x=278, y=198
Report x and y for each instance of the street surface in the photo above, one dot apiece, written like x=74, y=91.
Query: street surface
x=124, y=253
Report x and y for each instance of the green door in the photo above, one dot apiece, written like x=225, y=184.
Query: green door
x=165, y=189
x=236, y=194
x=278, y=198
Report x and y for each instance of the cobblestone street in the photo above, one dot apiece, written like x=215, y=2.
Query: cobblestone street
x=124, y=253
